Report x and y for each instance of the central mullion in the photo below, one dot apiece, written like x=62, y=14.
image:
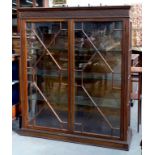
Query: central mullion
x=71, y=79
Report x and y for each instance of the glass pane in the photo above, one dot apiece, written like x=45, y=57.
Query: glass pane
x=98, y=77
x=26, y=3
x=31, y=3
x=47, y=74
x=39, y=3
x=14, y=24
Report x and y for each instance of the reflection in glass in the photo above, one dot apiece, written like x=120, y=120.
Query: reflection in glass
x=26, y=3
x=31, y=3
x=98, y=77
x=47, y=74
x=39, y=3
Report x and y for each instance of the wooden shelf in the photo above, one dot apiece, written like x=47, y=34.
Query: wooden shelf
x=136, y=69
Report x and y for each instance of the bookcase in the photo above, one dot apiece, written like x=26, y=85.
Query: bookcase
x=75, y=74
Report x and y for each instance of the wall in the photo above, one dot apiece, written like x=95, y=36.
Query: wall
x=136, y=18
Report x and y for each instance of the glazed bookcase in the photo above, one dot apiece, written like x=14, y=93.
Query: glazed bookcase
x=75, y=73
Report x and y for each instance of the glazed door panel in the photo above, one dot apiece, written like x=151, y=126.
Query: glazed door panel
x=97, y=70
x=47, y=69
x=98, y=51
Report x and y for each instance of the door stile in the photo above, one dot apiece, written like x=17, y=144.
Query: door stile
x=23, y=75
x=125, y=68
x=71, y=79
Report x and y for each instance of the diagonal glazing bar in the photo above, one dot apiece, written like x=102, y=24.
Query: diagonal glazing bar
x=98, y=51
x=99, y=110
x=55, y=36
x=52, y=109
x=47, y=50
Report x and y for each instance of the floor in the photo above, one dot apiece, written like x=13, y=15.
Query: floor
x=38, y=146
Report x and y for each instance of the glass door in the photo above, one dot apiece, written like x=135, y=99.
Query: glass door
x=47, y=71
x=95, y=108
x=98, y=50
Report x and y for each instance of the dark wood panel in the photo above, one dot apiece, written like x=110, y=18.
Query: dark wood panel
x=115, y=144
x=75, y=12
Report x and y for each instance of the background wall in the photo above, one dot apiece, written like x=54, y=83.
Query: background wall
x=136, y=18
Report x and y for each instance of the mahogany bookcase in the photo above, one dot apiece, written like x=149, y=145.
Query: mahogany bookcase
x=75, y=74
